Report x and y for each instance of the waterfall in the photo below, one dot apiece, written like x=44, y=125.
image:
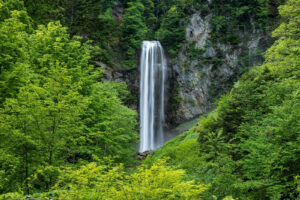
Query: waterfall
x=152, y=89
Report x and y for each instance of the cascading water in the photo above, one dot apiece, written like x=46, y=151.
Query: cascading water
x=152, y=89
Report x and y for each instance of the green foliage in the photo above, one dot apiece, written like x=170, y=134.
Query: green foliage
x=172, y=32
x=11, y=196
x=150, y=17
x=79, y=16
x=52, y=43
x=111, y=126
x=43, y=11
x=13, y=47
x=134, y=31
x=40, y=121
x=103, y=182
x=176, y=150
x=235, y=16
x=108, y=34
x=94, y=20
x=272, y=151
x=100, y=181
x=53, y=112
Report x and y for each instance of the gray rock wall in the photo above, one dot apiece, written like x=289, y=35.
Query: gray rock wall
x=204, y=69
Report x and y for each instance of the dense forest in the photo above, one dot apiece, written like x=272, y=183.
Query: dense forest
x=69, y=125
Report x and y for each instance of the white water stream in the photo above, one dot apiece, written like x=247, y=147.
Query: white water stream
x=152, y=92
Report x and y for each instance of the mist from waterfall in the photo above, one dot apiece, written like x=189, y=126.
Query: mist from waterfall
x=152, y=93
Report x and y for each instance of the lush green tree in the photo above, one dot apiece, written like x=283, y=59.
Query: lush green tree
x=234, y=16
x=272, y=152
x=109, y=34
x=111, y=127
x=134, y=31
x=38, y=125
x=150, y=18
x=13, y=47
x=105, y=182
x=172, y=32
x=54, y=112
x=93, y=20
x=43, y=11
x=9, y=5
x=52, y=43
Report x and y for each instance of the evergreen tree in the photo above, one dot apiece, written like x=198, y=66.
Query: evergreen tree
x=133, y=30
x=172, y=32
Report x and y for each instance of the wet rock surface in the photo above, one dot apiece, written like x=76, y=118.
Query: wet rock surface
x=142, y=155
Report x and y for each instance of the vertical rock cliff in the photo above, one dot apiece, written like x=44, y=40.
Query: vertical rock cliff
x=204, y=69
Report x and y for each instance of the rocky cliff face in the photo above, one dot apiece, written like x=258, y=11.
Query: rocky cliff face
x=204, y=69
